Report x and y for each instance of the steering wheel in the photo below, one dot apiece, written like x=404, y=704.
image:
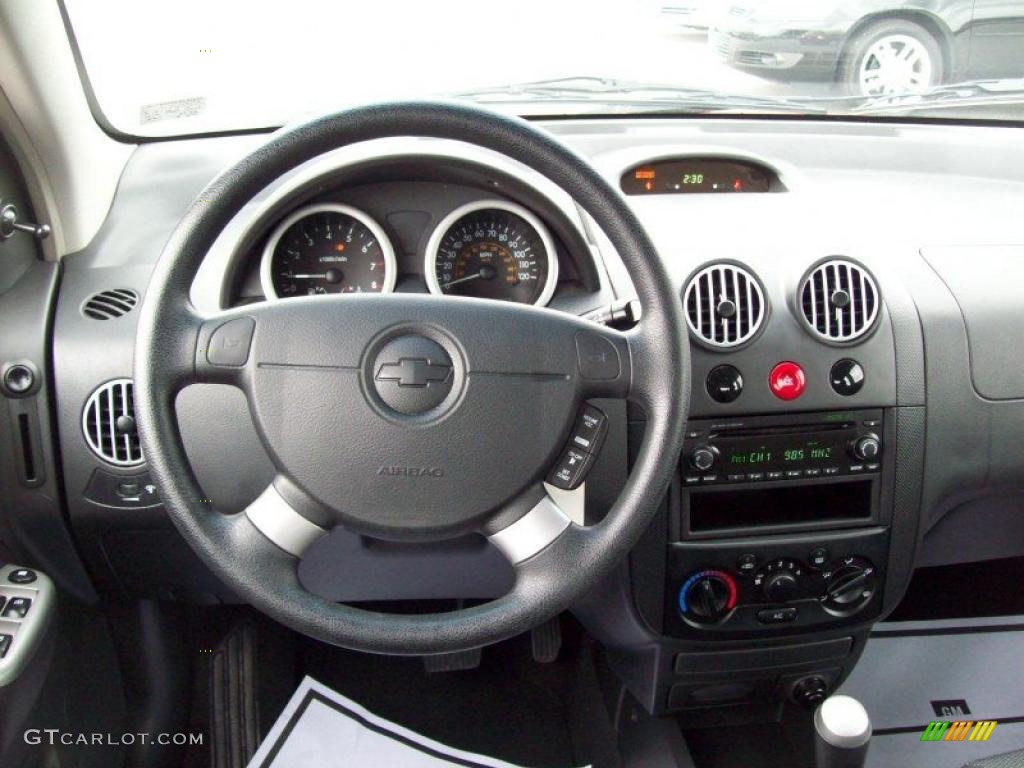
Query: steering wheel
x=477, y=403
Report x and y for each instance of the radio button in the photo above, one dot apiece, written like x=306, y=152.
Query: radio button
x=787, y=381
x=794, y=473
x=736, y=478
x=691, y=479
x=831, y=470
x=774, y=475
x=755, y=476
x=724, y=383
x=815, y=472
x=872, y=467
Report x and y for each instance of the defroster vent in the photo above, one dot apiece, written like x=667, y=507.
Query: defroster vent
x=839, y=301
x=108, y=305
x=725, y=305
x=108, y=422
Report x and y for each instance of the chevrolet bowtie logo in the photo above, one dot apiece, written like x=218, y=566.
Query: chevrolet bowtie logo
x=414, y=372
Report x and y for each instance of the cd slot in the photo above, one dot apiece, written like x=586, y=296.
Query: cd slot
x=788, y=429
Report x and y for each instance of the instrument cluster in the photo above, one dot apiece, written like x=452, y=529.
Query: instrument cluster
x=490, y=248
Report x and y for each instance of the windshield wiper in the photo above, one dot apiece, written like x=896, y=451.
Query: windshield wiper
x=623, y=94
x=973, y=93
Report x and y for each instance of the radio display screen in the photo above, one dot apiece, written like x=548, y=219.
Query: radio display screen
x=782, y=452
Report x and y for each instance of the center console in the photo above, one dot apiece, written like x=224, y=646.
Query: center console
x=742, y=554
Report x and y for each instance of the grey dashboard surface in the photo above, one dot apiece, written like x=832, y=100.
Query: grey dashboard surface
x=875, y=193
x=986, y=281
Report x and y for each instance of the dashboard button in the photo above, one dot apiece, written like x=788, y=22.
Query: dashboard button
x=746, y=564
x=776, y=615
x=794, y=473
x=755, y=476
x=736, y=478
x=787, y=381
x=818, y=558
x=775, y=475
x=691, y=479
x=831, y=470
x=813, y=472
x=847, y=377
x=590, y=430
x=724, y=383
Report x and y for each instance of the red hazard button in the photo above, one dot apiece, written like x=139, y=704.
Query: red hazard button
x=787, y=381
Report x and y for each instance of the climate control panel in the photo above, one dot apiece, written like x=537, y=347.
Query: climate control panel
x=765, y=588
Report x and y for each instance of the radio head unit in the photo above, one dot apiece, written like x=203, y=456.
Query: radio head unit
x=773, y=448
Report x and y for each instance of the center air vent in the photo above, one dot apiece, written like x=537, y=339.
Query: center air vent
x=725, y=305
x=839, y=301
x=108, y=305
x=108, y=422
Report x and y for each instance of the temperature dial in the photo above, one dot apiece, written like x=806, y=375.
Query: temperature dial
x=707, y=596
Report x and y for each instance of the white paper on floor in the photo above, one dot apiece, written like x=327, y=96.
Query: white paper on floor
x=320, y=728
x=909, y=668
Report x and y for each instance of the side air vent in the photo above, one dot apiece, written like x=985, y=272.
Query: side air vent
x=108, y=422
x=725, y=305
x=839, y=301
x=108, y=305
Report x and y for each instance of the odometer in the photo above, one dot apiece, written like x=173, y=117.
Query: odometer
x=327, y=248
x=492, y=249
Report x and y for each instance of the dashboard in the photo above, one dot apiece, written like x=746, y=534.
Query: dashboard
x=850, y=418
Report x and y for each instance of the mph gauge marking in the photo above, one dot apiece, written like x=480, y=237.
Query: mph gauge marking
x=492, y=250
x=327, y=248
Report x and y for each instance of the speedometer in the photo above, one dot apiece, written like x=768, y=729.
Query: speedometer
x=492, y=249
x=327, y=248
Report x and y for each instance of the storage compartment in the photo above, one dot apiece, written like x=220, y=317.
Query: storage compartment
x=717, y=510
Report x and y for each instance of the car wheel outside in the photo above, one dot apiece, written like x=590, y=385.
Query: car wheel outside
x=889, y=58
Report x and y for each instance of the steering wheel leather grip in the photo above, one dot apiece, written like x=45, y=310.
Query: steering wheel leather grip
x=469, y=455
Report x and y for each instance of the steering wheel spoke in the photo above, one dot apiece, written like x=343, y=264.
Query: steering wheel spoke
x=287, y=518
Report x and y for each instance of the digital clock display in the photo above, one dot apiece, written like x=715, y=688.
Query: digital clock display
x=697, y=174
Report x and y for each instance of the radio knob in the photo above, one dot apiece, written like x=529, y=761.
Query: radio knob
x=704, y=457
x=866, y=447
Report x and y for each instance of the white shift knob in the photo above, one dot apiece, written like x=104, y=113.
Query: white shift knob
x=843, y=729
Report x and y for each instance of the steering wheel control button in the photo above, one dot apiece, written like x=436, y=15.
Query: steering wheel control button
x=777, y=615
x=229, y=343
x=787, y=381
x=724, y=383
x=413, y=374
x=571, y=469
x=847, y=377
x=591, y=427
x=16, y=608
x=21, y=576
x=5, y=644
x=598, y=360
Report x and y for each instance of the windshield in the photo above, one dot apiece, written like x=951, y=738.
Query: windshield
x=197, y=66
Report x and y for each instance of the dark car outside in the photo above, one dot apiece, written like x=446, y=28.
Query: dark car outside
x=872, y=47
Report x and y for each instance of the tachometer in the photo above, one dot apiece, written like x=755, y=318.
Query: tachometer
x=327, y=248
x=492, y=249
